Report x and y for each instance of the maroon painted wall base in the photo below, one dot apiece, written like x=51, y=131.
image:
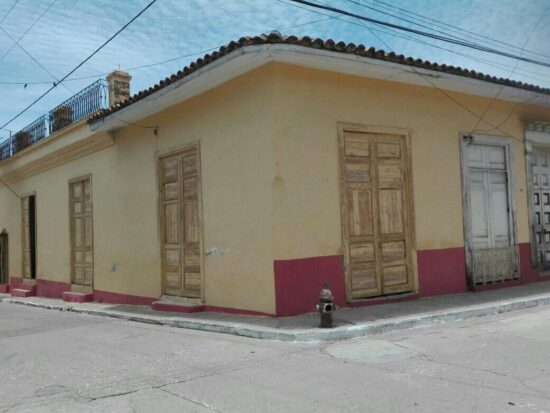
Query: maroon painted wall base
x=17, y=283
x=116, y=298
x=440, y=271
x=189, y=309
x=44, y=288
x=51, y=289
x=72, y=297
x=19, y=292
x=176, y=308
x=529, y=273
x=299, y=282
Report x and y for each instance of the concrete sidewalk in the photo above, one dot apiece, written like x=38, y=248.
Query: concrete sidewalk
x=349, y=322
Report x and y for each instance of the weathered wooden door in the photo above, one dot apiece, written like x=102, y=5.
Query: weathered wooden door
x=28, y=236
x=180, y=213
x=81, y=216
x=541, y=204
x=375, y=214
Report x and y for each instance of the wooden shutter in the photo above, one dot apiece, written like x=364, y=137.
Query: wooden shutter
x=375, y=214
x=180, y=180
x=82, y=254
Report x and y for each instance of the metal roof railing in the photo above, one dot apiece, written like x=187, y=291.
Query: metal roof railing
x=85, y=103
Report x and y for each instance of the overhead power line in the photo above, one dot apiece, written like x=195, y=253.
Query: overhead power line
x=408, y=20
x=81, y=63
x=498, y=65
x=447, y=39
x=9, y=11
x=511, y=73
x=16, y=42
x=129, y=69
x=446, y=26
x=172, y=59
x=447, y=95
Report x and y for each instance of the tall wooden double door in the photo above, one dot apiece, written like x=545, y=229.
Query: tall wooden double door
x=81, y=226
x=180, y=216
x=376, y=214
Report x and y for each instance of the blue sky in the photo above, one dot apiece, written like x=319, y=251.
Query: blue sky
x=71, y=29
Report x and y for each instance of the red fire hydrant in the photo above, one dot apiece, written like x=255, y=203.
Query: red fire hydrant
x=326, y=307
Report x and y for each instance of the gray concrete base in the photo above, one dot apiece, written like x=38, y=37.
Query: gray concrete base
x=350, y=323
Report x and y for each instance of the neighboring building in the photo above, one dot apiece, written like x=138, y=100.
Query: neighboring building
x=250, y=178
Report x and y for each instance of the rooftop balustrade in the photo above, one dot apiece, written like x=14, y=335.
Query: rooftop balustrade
x=85, y=103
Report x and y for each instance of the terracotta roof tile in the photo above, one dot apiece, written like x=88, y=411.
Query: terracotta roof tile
x=329, y=44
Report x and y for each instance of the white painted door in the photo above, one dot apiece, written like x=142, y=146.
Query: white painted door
x=489, y=196
x=493, y=255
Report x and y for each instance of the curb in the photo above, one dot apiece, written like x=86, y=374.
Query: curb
x=312, y=334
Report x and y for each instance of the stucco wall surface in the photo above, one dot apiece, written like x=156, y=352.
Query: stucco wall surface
x=309, y=104
x=232, y=123
x=270, y=180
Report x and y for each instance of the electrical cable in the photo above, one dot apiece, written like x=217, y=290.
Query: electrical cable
x=511, y=74
x=16, y=42
x=405, y=20
x=81, y=63
x=9, y=11
x=10, y=188
x=130, y=69
x=446, y=26
x=422, y=33
x=457, y=102
x=491, y=63
x=134, y=124
x=518, y=104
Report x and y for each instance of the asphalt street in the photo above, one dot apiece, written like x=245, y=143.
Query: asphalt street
x=53, y=361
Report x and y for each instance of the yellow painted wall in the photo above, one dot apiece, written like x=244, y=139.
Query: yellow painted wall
x=233, y=125
x=309, y=105
x=269, y=162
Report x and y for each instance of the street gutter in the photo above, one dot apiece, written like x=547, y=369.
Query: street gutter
x=306, y=334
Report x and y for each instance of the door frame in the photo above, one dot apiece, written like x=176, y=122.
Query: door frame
x=491, y=140
x=159, y=155
x=71, y=258
x=537, y=137
x=406, y=134
x=21, y=196
x=6, y=252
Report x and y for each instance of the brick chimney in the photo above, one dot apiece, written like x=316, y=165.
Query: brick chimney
x=119, y=86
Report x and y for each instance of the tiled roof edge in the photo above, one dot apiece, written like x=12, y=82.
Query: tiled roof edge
x=306, y=41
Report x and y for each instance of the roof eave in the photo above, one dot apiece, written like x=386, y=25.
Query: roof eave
x=247, y=58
